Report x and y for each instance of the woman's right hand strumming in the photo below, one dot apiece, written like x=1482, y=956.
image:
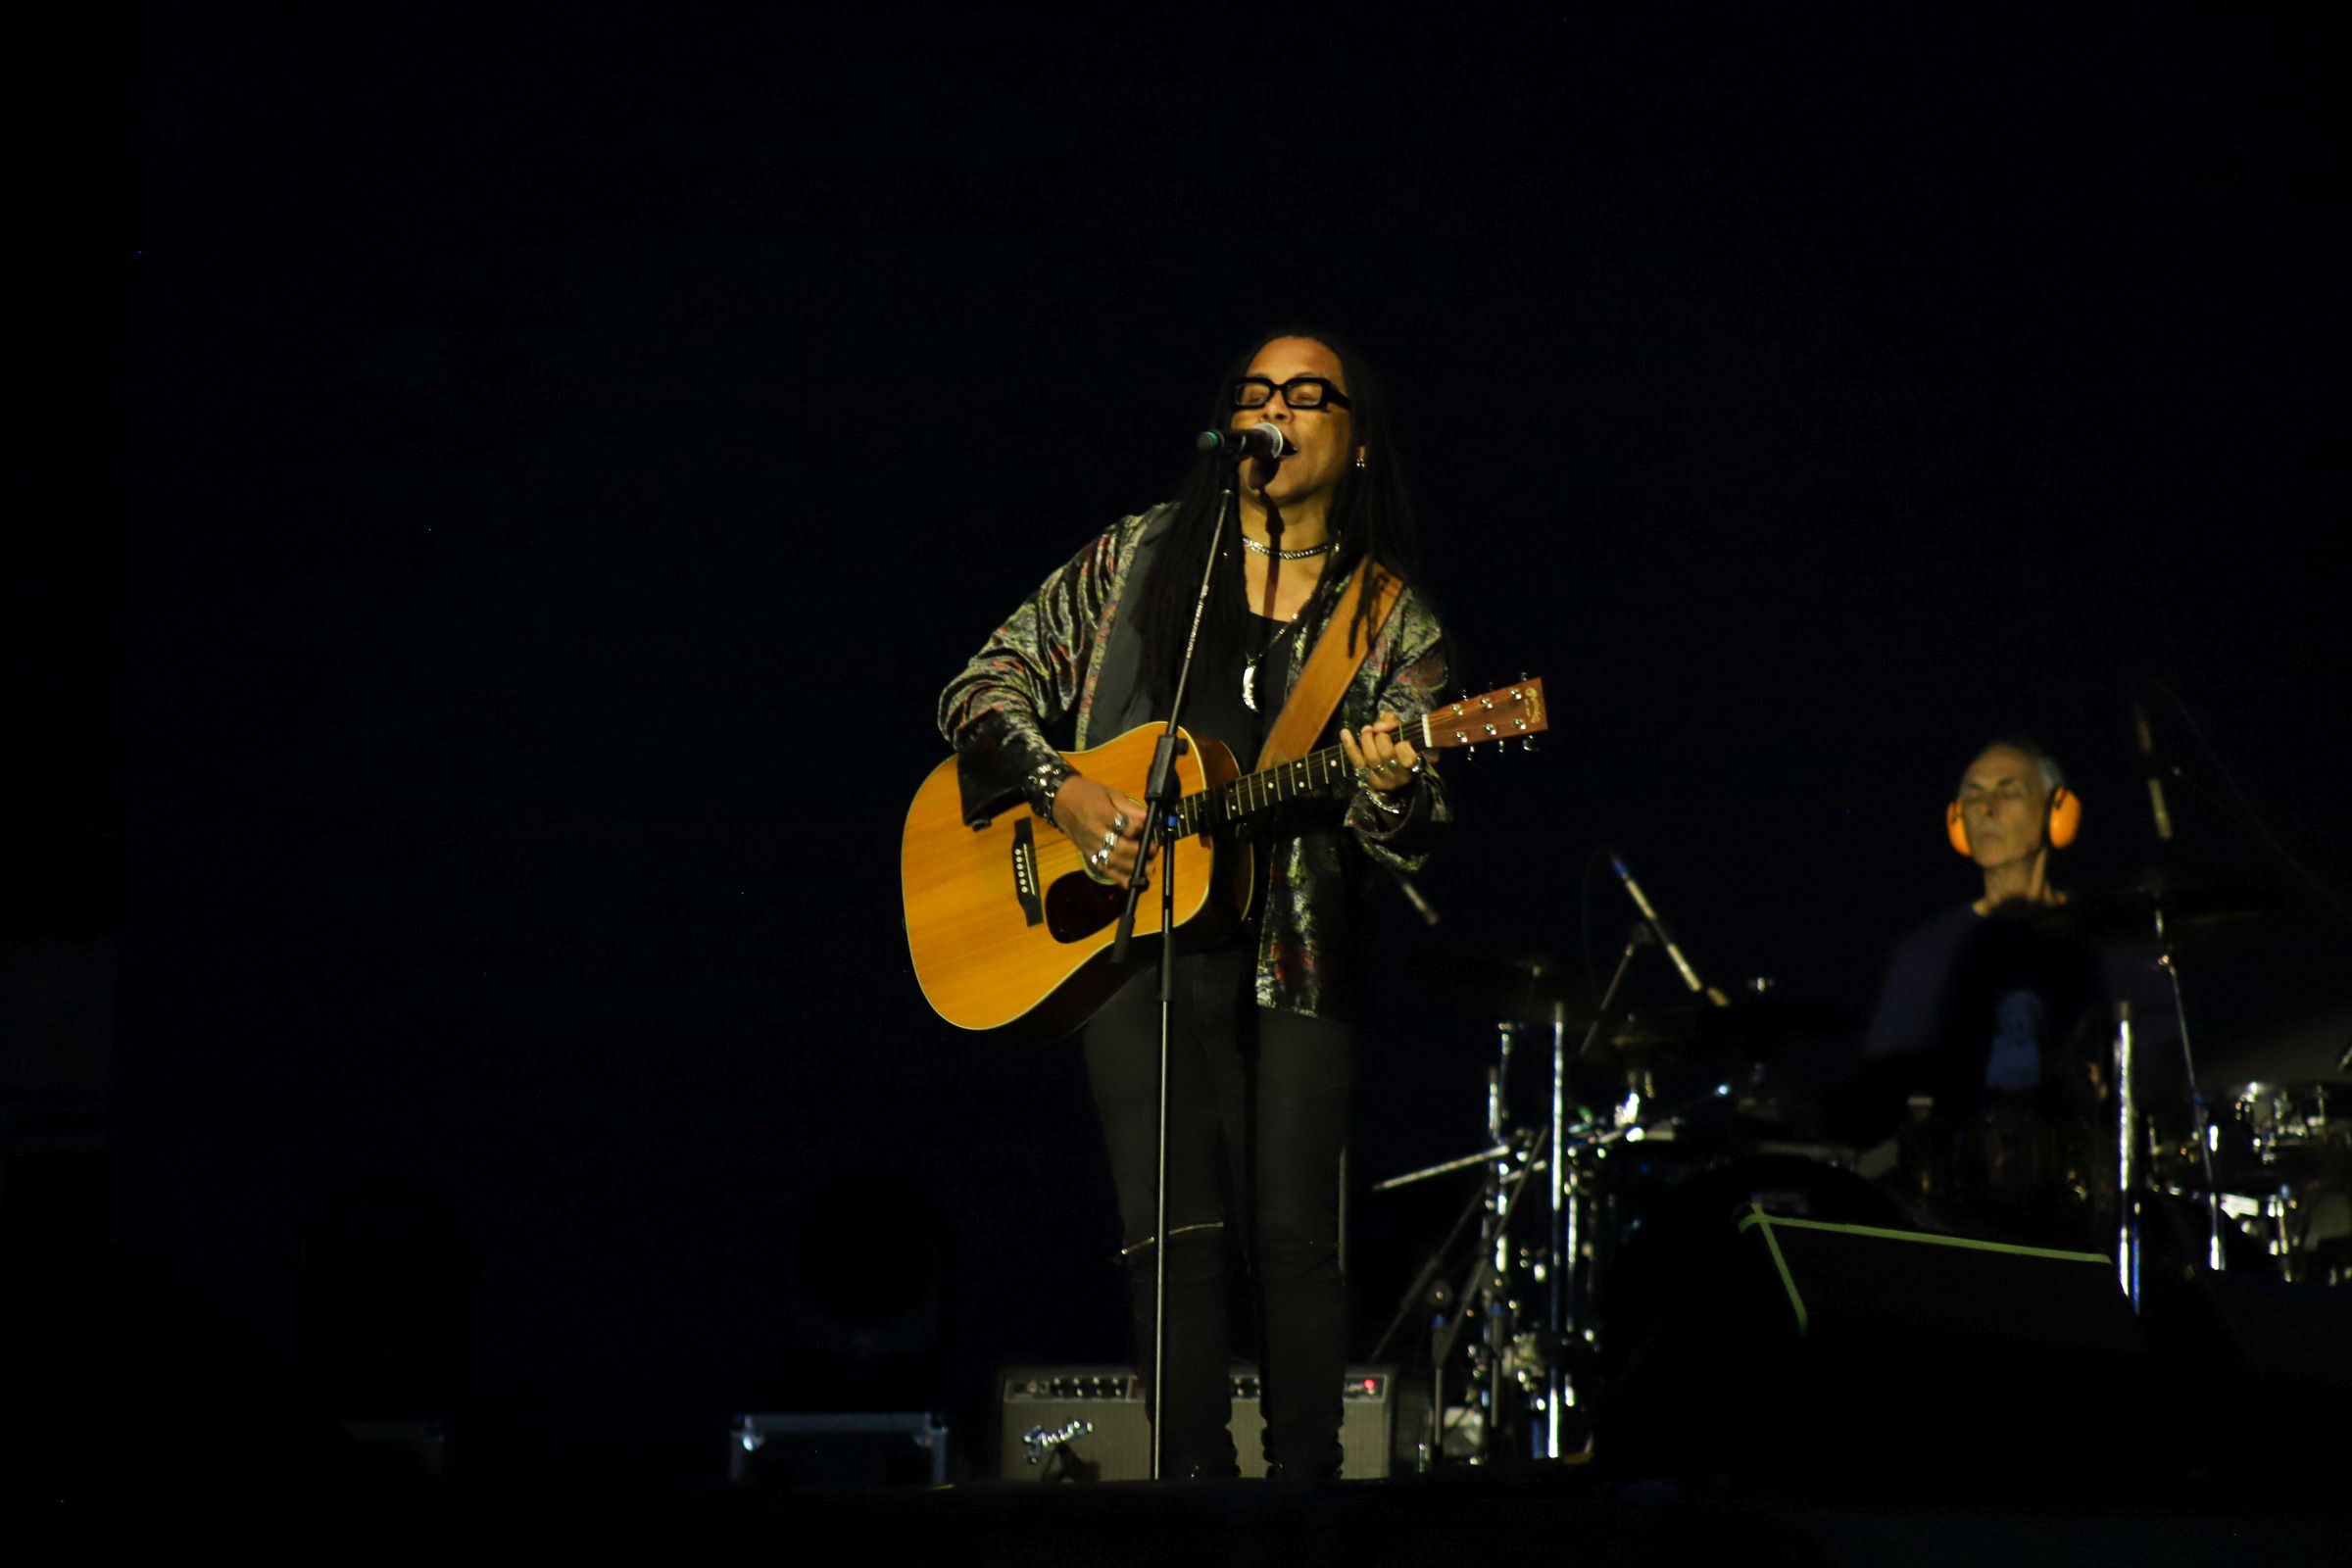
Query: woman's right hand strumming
x=1104, y=823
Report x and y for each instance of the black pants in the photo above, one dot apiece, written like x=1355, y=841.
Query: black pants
x=1258, y=1109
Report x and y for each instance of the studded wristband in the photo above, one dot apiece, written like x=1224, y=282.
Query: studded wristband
x=1045, y=785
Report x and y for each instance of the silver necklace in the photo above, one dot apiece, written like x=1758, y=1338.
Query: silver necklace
x=1250, y=670
x=1322, y=548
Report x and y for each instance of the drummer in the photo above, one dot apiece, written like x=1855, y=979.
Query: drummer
x=1996, y=1021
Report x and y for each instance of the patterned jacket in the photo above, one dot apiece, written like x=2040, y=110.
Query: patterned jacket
x=1040, y=673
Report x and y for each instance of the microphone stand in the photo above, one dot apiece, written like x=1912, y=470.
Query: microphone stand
x=1162, y=792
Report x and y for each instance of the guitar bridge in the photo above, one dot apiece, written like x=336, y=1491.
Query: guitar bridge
x=1024, y=871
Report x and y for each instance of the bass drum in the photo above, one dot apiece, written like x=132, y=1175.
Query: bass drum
x=1677, y=1244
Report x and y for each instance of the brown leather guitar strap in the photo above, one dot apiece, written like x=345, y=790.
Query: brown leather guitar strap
x=1329, y=669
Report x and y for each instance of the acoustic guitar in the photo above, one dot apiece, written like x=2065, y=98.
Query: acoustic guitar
x=1008, y=931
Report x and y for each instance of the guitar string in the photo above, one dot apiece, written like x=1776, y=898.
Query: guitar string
x=1282, y=781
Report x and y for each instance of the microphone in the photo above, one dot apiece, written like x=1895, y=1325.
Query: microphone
x=1258, y=441
x=2152, y=768
x=1665, y=938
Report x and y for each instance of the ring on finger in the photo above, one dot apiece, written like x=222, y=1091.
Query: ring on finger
x=1118, y=823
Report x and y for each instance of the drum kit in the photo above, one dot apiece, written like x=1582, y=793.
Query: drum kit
x=2279, y=1181
x=1619, y=1139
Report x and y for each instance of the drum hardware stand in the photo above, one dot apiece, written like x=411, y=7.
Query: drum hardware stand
x=2128, y=1173
x=1499, y=1151
x=2156, y=768
x=1557, y=1259
x=1513, y=1158
x=1160, y=797
x=1493, y=1259
x=1567, y=1307
x=1520, y=1159
x=2200, y=1122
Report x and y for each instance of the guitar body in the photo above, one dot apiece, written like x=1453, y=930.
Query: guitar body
x=1006, y=930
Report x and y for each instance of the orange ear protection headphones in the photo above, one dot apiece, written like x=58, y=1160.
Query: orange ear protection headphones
x=2059, y=823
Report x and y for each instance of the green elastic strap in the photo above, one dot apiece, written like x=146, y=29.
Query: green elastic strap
x=1757, y=1219
x=1757, y=1216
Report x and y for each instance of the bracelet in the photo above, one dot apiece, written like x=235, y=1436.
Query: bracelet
x=1380, y=798
x=1051, y=776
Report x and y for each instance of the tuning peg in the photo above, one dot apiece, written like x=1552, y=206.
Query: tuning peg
x=1527, y=744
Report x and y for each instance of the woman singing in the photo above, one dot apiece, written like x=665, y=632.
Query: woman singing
x=1263, y=1035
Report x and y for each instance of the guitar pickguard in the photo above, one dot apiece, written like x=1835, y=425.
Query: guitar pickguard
x=1077, y=906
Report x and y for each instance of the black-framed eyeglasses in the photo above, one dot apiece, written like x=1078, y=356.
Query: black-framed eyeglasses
x=1298, y=392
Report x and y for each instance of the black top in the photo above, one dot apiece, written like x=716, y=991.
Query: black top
x=1997, y=1007
x=2002, y=1007
x=1214, y=708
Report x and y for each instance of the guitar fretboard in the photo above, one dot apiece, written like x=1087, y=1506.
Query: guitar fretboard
x=1253, y=793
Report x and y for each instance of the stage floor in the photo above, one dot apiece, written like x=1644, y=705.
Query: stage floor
x=1451, y=1520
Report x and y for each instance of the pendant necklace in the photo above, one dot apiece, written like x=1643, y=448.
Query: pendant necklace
x=1250, y=670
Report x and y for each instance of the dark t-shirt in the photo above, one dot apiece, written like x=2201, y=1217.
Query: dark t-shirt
x=1214, y=708
x=1991, y=1010
x=1997, y=1008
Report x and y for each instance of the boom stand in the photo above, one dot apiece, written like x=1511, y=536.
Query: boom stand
x=1161, y=795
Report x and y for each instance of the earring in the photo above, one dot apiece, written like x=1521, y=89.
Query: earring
x=1360, y=457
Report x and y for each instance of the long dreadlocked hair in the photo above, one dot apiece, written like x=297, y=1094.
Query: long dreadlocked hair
x=1371, y=516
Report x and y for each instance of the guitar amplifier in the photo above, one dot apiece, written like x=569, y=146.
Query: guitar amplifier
x=1086, y=1423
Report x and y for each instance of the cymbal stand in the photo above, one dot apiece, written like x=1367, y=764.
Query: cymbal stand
x=1501, y=1196
x=1507, y=1162
x=1511, y=1159
x=1513, y=1155
x=2169, y=963
x=2156, y=769
x=2128, y=1172
x=1568, y=1303
x=1494, y=1326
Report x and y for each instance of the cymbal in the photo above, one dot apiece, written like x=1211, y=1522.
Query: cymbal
x=1527, y=987
x=1754, y=1027
x=2128, y=913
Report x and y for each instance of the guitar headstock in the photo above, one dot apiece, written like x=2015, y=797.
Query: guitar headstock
x=1516, y=711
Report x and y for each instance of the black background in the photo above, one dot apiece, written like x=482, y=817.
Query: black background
x=519, y=478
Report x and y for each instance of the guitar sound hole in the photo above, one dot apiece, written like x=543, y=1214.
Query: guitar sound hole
x=1077, y=906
